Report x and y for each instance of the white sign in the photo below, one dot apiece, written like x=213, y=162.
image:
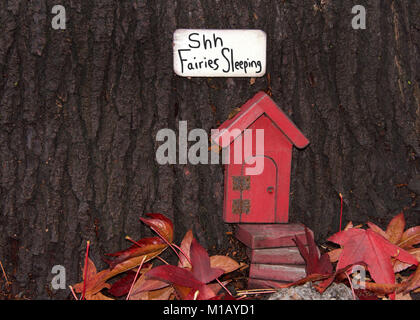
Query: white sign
x=219, y=53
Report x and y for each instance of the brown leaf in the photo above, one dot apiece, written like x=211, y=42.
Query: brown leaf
x=410, y=237
x=95, y=282
x=396, y=228
x=98, y=296
x=383, y=288
x=223, y=262
x=414, y=281
x=349, y=226
x=134, y=262
x=335, y=254
x=150, y=289
x=377, y=229
x=402, y=296
x=161, y=294
x=185, y=247
x=399, y=265
x=143, y=284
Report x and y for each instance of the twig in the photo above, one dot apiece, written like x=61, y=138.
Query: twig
x=255, y=291
x=72, y=291
x=341, y=208
x=133, y=241
x=163, y=260
x=4, y=274
x=226, y=289
x=135, y=278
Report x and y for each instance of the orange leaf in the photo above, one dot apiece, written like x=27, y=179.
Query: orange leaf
x=185, y=247
x=377, y=229
x=98, y=296
x=349, y=226
x=149, y=289
x=399, y=265
x=95, y=282
x=410, y=237
x=143, y=284
x=161, y=294
x=223, y=262
x=395, y=228
x=403, y=296
x=413, y=281
x=383, y=288
x=335, y=254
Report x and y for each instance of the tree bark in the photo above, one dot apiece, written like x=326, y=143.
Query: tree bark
x=80, y=109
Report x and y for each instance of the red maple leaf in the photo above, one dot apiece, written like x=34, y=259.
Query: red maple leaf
x=367, y=246
x=315, y=264
x=196, y=279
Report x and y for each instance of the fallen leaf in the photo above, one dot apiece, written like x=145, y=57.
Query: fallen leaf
x=200, y=261
x=377, y=229
x=314, y=263
x=334, y=254
x=185, y=247
x=95, y=282
x=413, y=282
x=395, y=228
x=410, y=237
x=160, y=224
x=399, y=265
x=188, y=282
x=122, y=286
x=150, y=247
x=223, y=262
x=403, y=296
x=367, y=246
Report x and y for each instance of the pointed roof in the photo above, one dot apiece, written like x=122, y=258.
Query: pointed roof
x=261, y=103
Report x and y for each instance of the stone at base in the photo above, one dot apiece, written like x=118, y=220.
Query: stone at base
x=258, y=236
x=286, y=273
x=336, y=291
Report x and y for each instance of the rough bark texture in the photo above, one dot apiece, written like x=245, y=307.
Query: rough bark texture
x=80, y=109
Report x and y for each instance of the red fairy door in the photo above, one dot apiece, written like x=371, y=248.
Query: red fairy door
x=258, y=194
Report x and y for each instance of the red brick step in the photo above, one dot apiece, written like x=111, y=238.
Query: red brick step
x=285, y=255
x=257, y=236
x=286, y=273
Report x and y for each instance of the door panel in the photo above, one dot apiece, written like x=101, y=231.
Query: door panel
x=258, y=196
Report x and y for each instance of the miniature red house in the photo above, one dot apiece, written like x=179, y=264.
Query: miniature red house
x=262, y=198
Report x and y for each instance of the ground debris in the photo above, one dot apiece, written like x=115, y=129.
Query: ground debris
x=307, y=292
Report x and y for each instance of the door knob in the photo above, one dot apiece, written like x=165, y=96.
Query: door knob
x=270, y=189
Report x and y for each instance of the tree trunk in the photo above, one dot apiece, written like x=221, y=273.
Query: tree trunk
x=80, y=109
